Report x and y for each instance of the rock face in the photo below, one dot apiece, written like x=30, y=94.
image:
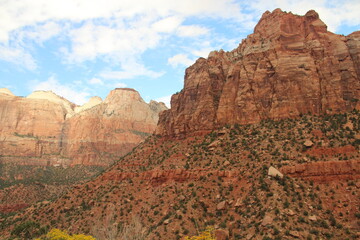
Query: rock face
x=110, y=129
x=290, y=65
x=44, y=128
x=325, y=171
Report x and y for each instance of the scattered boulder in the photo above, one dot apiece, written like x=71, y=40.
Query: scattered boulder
x=308, y=143
x=290, y=212
x=349, y=125
x=221, y=234
x=221, y=205
x=249, y=236
x=267, y=220
x=226, y=163
x=294, y=234
x=167, y=221
x=238, y=202
x=213, y=145
x=273, y=172
x=313, y=218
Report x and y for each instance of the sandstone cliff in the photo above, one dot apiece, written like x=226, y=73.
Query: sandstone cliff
x=291, y=65
x=110, y=129
x=44, y=128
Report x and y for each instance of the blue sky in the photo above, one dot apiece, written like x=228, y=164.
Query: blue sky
x=84, y=48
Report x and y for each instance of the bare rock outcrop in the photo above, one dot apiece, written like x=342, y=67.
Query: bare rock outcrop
x=109, y=129
x=325, y=170
x=290, y=65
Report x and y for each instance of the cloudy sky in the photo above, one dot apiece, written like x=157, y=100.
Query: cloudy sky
x=84, y=48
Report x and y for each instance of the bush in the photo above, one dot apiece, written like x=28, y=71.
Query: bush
x=28, y=230
x=208, y=234
x=57, y=234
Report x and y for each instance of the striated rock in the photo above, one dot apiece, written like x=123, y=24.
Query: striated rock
x=325, y=171
x=291, y=65
x=110, y=129
x=52, y=97
x=273, y=172
x=51, y=130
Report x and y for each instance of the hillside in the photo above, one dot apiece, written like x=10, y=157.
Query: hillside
x=222, y=179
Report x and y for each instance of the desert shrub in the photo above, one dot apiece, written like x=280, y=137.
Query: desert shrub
x=208, y=234
x=28, y=230
x=57, y=234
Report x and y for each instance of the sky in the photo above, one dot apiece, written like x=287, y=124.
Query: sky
x=84, y=48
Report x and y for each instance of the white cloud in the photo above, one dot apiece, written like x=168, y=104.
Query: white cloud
x=130, y=69
x=192, y=31
x=167, y=25
x=112, y=30
x=119, y=32
x=180, y=59
x=203, y=52
x=120, y=85
x=17, y=56
x=66, y=91
x=165, y=99
x=97, y=81
x=42, y=32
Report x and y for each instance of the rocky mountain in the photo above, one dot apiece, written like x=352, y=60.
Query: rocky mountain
x=46, y=129
x=291, y=65
x=262, y=143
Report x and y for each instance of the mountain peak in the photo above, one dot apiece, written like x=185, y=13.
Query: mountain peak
x=291, y=65
x=6, y=91
x=123, y=94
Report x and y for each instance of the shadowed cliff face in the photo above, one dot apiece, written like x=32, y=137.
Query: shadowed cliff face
x=46, y=129
x=291, y=65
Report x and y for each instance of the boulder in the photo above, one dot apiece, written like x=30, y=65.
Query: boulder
x=221, y=205
x=273, y=172
x=308, y=143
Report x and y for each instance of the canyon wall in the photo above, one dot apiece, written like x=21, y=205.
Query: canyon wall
x=45, y=129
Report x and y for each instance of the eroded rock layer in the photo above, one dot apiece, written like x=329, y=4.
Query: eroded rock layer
x=45, y=129
x=291, y=65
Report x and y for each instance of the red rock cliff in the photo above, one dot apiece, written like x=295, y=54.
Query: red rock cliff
x=44, y=128
x=290, y=65
x=110, y=129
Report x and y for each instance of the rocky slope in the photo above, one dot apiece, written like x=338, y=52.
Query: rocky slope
x=45, y=129
x=291, y=65
x=170, y=188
